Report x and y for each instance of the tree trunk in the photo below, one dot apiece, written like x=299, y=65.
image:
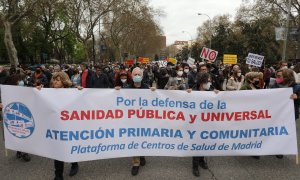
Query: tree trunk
x=9, y=44
x=298, y=42
x=86, y=51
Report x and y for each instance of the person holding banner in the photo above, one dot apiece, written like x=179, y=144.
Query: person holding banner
x=123, y=79
x=252, y=82
x=62, y=80
x=14, y=79
x=137, y=76
x=203, y=83
x=285, y=79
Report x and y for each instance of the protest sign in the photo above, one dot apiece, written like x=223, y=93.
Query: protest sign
x=129, y=62
x=72, y=125
x=254, y=60
x=209, y=54
x=162, y=63
x=172, y=60
x=191, y=62
x=140, y=59
x=146, y=60
x=230, y=59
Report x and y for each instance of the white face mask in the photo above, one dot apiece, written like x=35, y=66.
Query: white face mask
x=207, y=86
x=186, y=70
x=180, y=73
x=195, y=70
x=284, y=67
x=239, y=74
x=124, y=80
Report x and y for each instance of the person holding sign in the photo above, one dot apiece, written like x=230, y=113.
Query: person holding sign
x=137, y=77
x=62, y=80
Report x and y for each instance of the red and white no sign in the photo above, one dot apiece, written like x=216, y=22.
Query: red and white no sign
x=209, y=54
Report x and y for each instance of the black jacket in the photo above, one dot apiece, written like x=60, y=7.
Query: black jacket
x=100, y=81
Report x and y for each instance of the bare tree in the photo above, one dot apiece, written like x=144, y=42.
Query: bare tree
x=131, y=28
x=85, y=16
x=11, y=13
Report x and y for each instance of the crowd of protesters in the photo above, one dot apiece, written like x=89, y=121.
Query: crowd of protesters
x=201, y=76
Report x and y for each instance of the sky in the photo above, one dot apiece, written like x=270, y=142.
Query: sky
x=182, y=15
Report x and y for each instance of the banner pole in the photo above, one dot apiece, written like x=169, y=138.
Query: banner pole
x=2, y=131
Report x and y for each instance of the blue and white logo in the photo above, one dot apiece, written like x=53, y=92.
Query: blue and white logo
x=18, y=120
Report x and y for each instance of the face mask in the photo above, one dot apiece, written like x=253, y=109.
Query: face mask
x=180, y=73
x=195, y=70
x=284, y=67
x=239, y=74
x=21, y=83
x=124, y=80
x=279, y=80
x=207, y=86
x=186, y=70
x=137, y=79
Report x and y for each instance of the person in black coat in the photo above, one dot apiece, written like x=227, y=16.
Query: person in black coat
x=100, y=79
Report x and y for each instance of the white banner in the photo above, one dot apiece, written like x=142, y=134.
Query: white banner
x=254, y=60
x=72, y=125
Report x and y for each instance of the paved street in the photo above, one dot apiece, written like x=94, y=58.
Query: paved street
x=220, y=168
